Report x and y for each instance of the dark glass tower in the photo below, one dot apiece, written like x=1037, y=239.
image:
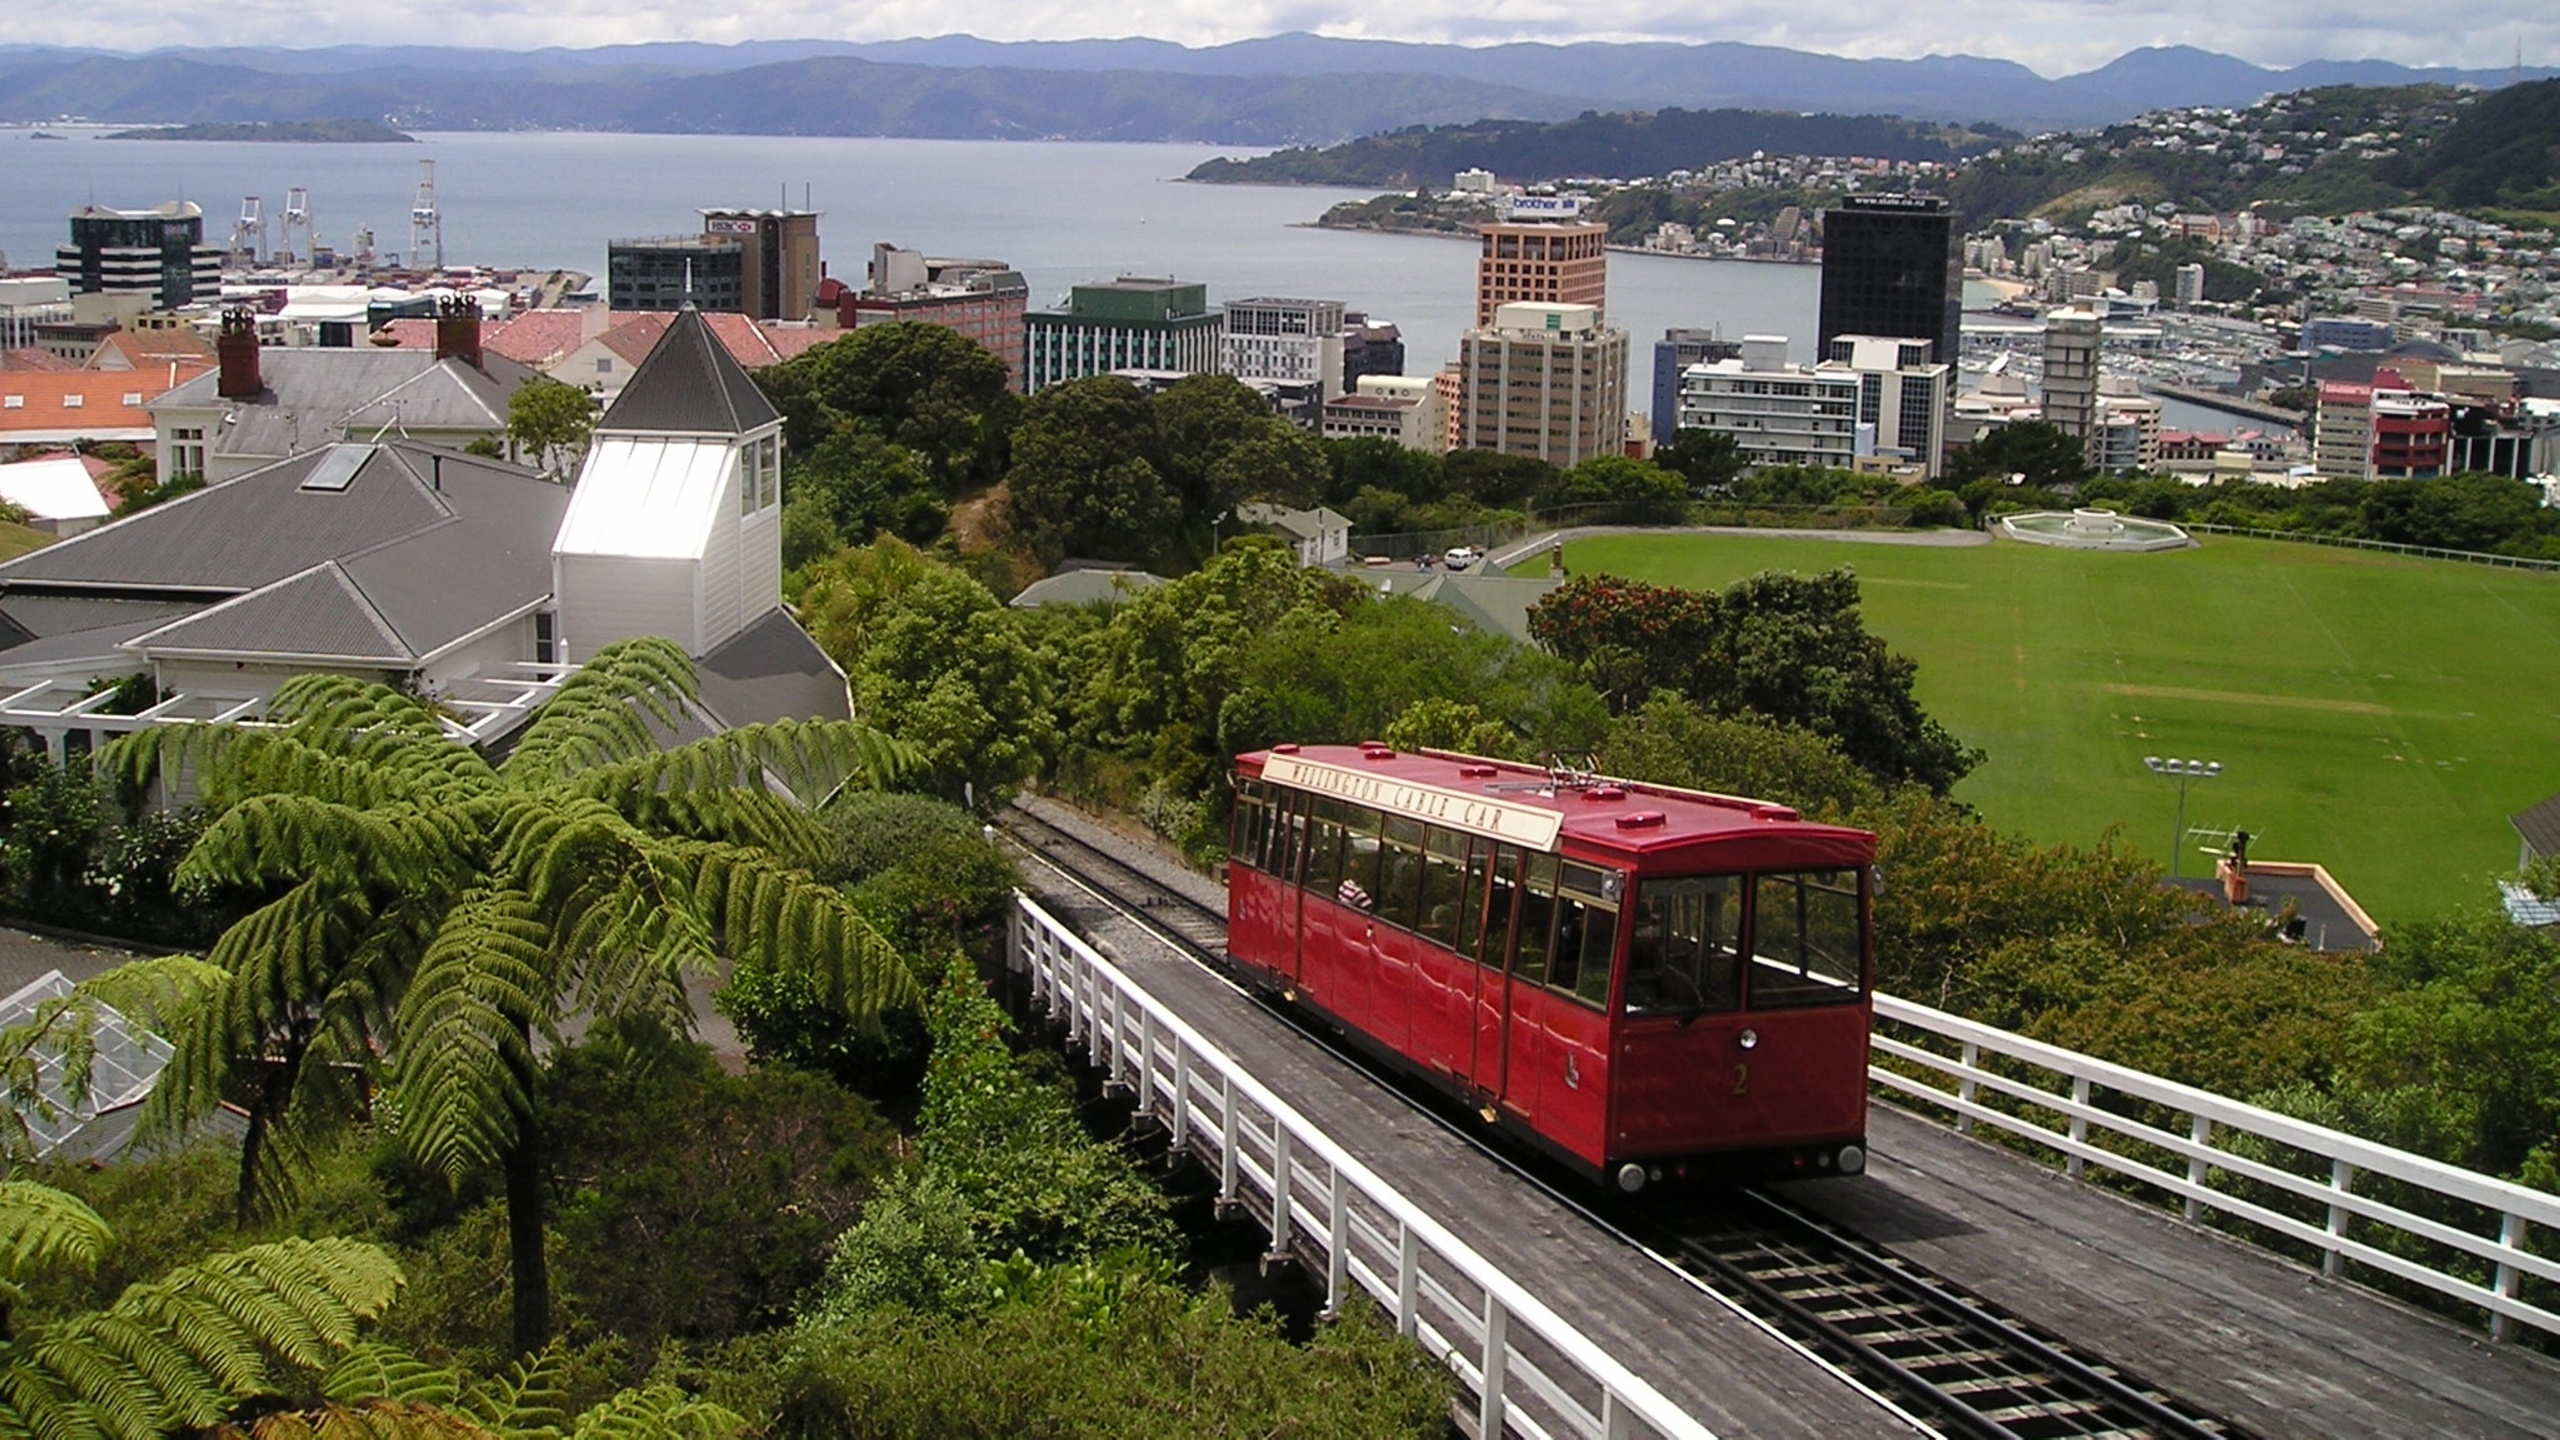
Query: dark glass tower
x=1892, y=265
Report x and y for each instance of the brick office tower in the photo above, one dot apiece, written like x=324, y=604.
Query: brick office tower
x=1542, y=264
x=1892, y=265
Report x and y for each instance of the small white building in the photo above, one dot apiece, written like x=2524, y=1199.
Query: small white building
x=675, y=528
x=1320, y=536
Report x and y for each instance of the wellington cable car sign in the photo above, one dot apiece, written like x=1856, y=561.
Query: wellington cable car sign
x=1526, y=825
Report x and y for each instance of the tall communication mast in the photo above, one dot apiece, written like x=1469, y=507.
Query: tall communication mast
x=426, y=227
x=297, y=216
x=249, y=233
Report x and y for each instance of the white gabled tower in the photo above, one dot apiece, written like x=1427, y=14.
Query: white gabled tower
x=676, y=526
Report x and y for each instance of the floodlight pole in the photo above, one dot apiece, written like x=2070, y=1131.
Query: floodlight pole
x=2185, y=773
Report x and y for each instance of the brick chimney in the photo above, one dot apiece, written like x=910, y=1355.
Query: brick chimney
x=235, y=349
x=458, y=330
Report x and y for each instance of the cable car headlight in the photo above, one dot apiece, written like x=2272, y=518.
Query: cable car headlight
x=1748, y=1039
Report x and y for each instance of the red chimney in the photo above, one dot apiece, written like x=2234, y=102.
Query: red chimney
x=235, y=349
x=458, y=330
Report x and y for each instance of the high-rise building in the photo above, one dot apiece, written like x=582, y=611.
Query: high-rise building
x=1402, y=408
x=1777, y=413
x=1133, y=323
x=2190, y=285
x=1542, y=264
x=1903, y=397
x=778, y=279
x=2071, y=340
x=666, y=273
x=1548, y=381
x=1280, y=339
x=159, y=253
x=1676, y=351
x=1893, y=265
x=982, y=299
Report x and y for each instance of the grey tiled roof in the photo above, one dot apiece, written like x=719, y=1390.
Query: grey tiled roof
x=317, y=613
x=690, y=385
x=421, y=548
x=2539, y=827
x=312, y=396
x=1085, y=587
x=771, y=671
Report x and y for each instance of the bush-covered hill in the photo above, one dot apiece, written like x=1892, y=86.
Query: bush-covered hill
x=1628, y=144
x=2504, y=150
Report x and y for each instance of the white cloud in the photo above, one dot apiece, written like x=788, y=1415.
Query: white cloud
x=2052, y=36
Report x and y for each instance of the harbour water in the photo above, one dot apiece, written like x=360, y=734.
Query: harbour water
x=1059, y=212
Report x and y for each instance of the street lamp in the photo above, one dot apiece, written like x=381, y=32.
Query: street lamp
x=2185, y=772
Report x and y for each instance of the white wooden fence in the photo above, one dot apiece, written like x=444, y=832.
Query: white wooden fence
x=1532, y=1373
x=2062, y=1091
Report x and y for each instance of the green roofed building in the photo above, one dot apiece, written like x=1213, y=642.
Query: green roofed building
x=1132, y=323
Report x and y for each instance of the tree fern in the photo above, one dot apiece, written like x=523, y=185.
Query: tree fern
x=182, y=1351
x=426, y=918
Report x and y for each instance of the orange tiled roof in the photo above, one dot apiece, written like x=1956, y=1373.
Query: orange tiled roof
x=31, y=357
x=81, y=402
x=754, y=344
x=143, y=349
x=536, y=338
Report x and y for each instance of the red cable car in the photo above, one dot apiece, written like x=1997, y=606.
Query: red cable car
x=1646, y=982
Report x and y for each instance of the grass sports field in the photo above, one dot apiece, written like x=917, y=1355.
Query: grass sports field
x=2382, y=716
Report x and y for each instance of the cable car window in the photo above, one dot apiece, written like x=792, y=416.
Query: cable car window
x=1324, y=846
x=1537, y=919
x=1472, y=906
x=1805, y=934
x=1358, y=885
x=1252, y=825
x=1683, y=956
x=1399, y=888
x=1599, y=948
x=1500, y=906
x=1444, y=881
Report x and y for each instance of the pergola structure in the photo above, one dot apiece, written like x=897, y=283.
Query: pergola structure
x=473, y=711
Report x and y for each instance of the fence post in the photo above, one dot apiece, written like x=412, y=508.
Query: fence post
x=1226, y=1142
x=1972, y=1057
x=2079, y=1123
x=2342, y=1179
x=1408, y=1279
x=1181, y=1094
x=1337, y=1242
x=1146, y=1062
x=1497, y=1362
x=2200, y=1130
x=2510, y=1237
x=1281, y=1164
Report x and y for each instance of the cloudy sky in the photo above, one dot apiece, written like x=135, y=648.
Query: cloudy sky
x=2053, y=36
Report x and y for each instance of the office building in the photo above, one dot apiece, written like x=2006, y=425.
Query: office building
x=2345, y=332
x=2412, y=435
x=1892, y=265
x=781, y=268
x=1542, y=264
x=1280, y=339
x=2071, y=342
x=1369, y=347
x=1903, y=398
x=1777, y=413
x=1133, y=323
x=1548, y=381
x=668, y=272
x=2342, y=430
x=982, y=299
x=157, y=253
x=1404, y=408
x=1676, y=351
x=2190, y=279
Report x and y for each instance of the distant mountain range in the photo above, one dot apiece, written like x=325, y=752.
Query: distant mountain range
x=1283, y=89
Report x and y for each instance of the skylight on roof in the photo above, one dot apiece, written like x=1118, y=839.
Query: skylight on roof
x=337, y=468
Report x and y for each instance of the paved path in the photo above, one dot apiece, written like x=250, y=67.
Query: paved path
x=1930, y=539
x=25, y=957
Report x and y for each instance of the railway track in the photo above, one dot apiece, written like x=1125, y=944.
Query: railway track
x=1947, y=1357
